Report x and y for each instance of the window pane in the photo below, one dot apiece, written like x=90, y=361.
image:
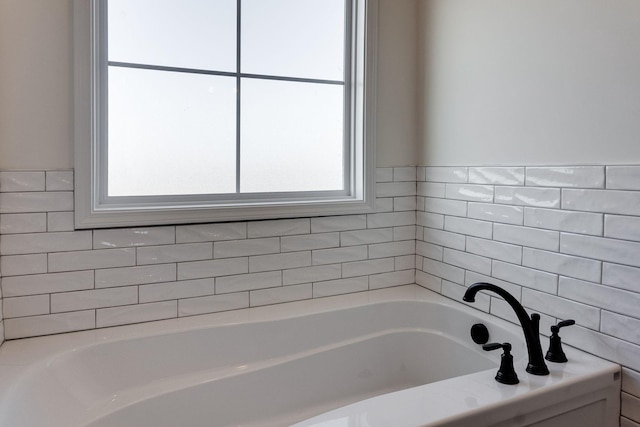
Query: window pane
x=292, y=136
x=170, y=133
x=185, y=33
x=294, y=38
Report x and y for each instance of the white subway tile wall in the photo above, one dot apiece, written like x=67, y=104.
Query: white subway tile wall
x=56, y=279
x=564, y=240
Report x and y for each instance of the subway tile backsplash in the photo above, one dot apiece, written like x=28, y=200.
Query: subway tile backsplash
x=564, y=240
x=56, y=279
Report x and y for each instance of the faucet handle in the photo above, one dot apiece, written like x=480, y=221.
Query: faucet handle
x=555, y=353
x=506, y=374
x=564, y=323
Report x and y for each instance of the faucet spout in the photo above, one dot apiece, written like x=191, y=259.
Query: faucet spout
x=530, y=325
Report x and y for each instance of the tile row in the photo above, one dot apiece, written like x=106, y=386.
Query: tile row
x=618, y=177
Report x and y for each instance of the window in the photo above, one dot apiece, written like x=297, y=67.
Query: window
x=217, y=110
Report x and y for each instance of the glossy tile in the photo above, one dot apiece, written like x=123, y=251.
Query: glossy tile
x=36, y=202
x=311, y=274
x=19, y=181
x=90, y=299
x=22, y=244
x=17, y=265
x=573, y=222
x=25, y=306
x=338, y=223
x=248, y=282
x=469, y=227
x=211, y=232
x=90, y=260
x=174, y=253
x=602, y=201
x=496, y=213
x=561, y=308
x=580, y=268
x=445, y=206
x=212, y=304
x=364, y=268
x=176, y=290
x=282, y=227
x=621, y=276
x=444, y=238
x=528, y=196
x=443, y=270
x=239, y=248
x=279, y=261
x=611, y=299
x=568, y=176
x=393, y=249
x=59, y=181
x=405, y=204
x=280, y=295
x=129, y=314
x=495, y=250
x=23, y=223
x=526, y=236
x=341, y=286
x=467, y=261
x=49, y=324
x=309, y=242
x=213, y=268
x=429, y=251
x=619, y=326
x=497, y=175
x=623, y=177
x=618, y=251
x=60, y=221
x=622, y=227
x=431, y=189
x=396, y=278
x=408, y=173
x=47, y=283
x=134, y=237
x=527, y=277
x=446, y=174
x=469, y=192
x=395, y=189
x=395, y=219
x=127, y=276
x=333, y=256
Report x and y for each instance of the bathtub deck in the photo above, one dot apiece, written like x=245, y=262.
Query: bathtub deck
x=370, y=367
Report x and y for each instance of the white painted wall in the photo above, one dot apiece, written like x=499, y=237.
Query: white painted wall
x=514, y=82
x=36, y=84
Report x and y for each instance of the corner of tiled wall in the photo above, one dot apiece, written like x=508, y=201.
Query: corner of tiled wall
x=564, y=240
x=58, y=280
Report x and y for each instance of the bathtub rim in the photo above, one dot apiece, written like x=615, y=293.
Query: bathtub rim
x=17, y=357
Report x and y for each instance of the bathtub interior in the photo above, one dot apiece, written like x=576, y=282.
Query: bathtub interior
x=276, y=370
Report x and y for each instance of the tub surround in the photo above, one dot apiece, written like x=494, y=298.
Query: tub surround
x=60, y=280
x=563, y=240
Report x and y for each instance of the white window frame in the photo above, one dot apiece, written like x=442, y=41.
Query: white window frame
x=93, y=210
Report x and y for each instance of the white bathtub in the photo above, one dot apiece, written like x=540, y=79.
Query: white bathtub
x=392, y=358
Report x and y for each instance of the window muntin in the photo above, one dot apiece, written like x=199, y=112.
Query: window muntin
x=200, y=188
